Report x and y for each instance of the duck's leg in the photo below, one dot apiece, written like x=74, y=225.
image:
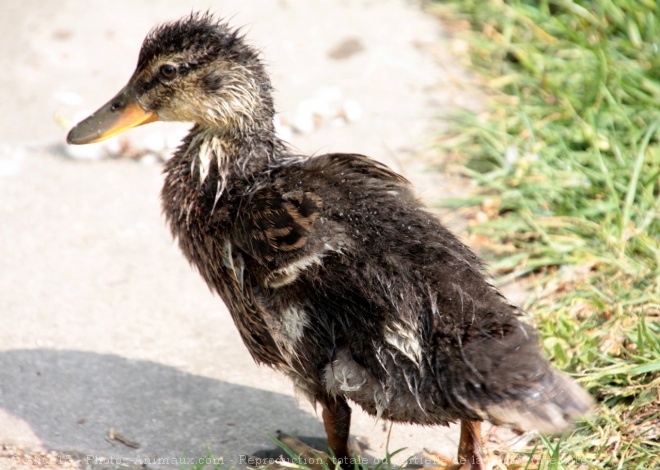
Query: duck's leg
x=337, y=422
x=470, y=450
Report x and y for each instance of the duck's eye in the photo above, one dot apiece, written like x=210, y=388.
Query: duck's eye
x=168, y=71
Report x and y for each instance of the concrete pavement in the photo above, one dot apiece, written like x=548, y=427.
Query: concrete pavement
x=103, y=324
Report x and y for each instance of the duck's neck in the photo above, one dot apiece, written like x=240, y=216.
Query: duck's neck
x=207, y=163
x=212, y=152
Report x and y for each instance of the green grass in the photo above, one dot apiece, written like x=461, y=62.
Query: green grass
x=567, y=162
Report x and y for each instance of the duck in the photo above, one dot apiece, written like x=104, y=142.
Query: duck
x=333, y=271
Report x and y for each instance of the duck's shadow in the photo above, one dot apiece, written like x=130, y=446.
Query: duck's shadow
x=71, y=399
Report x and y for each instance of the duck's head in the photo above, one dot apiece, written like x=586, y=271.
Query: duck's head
x=194, y=70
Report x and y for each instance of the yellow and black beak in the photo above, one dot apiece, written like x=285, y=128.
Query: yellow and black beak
x=116, y=116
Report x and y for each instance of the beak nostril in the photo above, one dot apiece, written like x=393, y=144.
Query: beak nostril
x=116, y=106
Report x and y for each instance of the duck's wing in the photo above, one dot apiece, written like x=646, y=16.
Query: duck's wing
x=273, y=220
x=284, y=225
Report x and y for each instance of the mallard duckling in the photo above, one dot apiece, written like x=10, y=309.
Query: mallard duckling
x=331, y=268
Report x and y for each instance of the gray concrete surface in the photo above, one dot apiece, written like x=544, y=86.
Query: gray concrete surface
x=103, y=324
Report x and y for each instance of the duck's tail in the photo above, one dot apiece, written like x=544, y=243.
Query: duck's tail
x=514, y=384
x=549, y=406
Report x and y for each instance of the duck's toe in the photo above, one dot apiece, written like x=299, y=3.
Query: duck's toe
x=471, y=454
x=301, y=453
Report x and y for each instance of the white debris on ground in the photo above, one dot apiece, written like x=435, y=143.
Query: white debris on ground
x=326, y=108
x=11, y=158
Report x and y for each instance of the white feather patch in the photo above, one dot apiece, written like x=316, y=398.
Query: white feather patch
x=289, y=273
x=405, y=340
x=209, y=148
x=344, y=376
x=294, y=321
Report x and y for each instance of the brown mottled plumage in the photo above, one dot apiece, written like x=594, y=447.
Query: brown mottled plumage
x=332, y=270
